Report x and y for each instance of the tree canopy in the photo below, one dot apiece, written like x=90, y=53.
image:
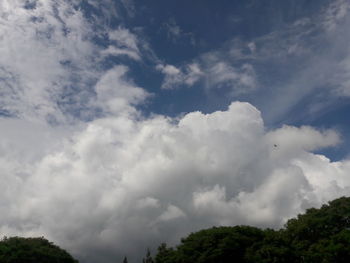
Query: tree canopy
x=320, y=235
x=32, y=250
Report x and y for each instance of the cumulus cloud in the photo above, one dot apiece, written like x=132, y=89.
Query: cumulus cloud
x=122, y=184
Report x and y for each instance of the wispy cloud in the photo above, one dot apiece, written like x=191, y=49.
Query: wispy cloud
x=285, y=65
x=43, y=49
x=123, y=43
x=49, y=61
x=176, y=34
x=177, y=77
x=211, y=73
x=239, y=80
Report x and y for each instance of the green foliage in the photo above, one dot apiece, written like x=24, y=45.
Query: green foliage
x=218, y=244
x=320, y=235
x=274, y=247
x=32, y=250
x=165, y=254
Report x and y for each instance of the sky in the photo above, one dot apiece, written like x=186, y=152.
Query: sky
x=128, y=123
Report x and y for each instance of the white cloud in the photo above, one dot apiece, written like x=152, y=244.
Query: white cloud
x=252, y=47
x=212, y=72
x=49, y=61
x=171, y=213
x=168, y=70
x=123, y=43
x=40, y=47
x=114, y=51
x=116, y=94
x=176, y=77
x=122, y=184
x=240, y=80
x=291, y=140
x=337, y=11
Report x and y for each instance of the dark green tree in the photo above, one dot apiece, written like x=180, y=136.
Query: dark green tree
x=274, y=247
x=215, y=245
x=317, y=236
x=319, y=233
x=165, y=254
x=32, y=250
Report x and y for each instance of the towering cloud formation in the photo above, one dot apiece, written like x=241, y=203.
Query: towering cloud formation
x=124, y=183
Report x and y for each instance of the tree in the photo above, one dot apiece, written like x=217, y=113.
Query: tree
x=215, y=245
x=165, y=254
x=148, y=258
x=317, y=236
x=125, y=260
x=32, y=250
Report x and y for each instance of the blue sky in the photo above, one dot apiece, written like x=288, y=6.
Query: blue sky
x=128, y=123
x=293, y=62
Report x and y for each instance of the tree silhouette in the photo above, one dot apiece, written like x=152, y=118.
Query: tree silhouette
x=148, y=258
x=32, y=250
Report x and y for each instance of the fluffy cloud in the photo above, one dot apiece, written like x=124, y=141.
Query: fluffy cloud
x=49, y=61
x=122, y=184
x=116, y=94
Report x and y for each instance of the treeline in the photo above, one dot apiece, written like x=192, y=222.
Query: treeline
x=320, y=235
